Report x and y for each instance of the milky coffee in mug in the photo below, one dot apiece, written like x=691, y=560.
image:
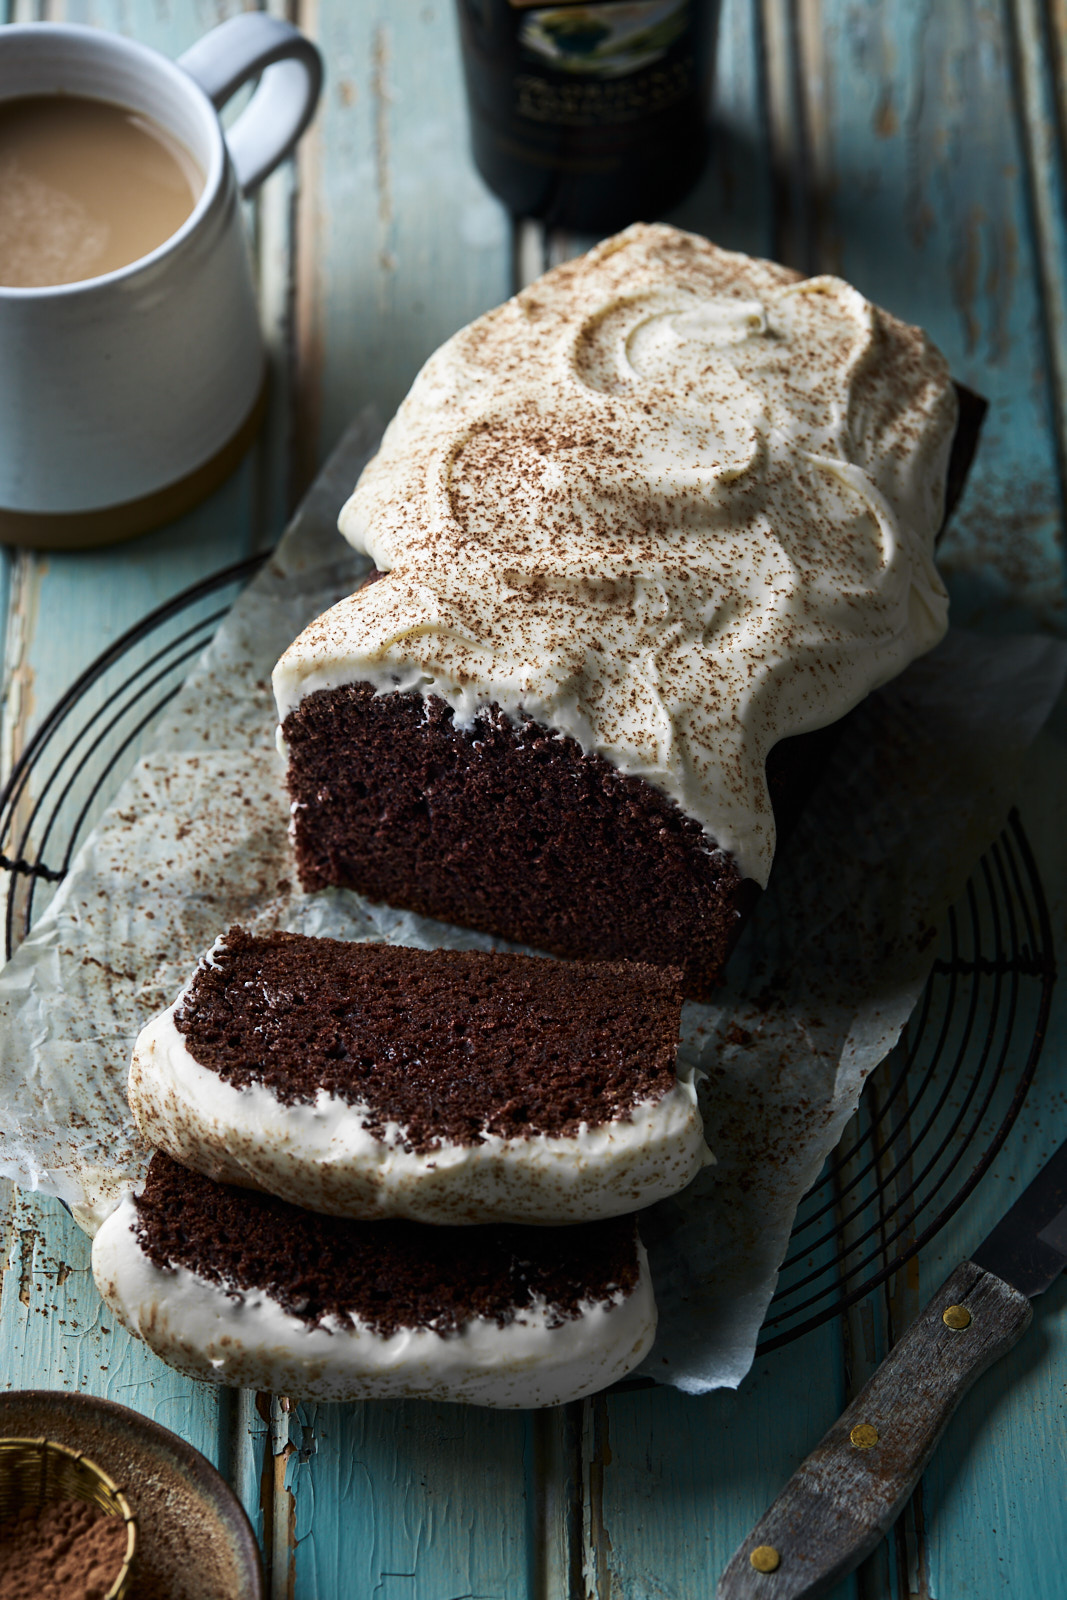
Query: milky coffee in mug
x=86, y=187
x=129, y=390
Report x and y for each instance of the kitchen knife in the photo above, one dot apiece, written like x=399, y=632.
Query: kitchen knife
x=844, y=1498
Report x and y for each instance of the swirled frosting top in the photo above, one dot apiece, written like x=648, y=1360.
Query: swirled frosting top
x=674, y=502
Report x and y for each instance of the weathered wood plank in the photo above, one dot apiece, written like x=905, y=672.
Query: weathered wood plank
x=399, y=242
x=917, y=191
x=673, y=1483
x=1040, y=33
x=734, y=203
x=406, y=1501
x=787, y=129
x=943, y=197
x=56, y=1332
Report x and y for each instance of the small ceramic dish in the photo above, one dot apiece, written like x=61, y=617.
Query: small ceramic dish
x=193, y=1540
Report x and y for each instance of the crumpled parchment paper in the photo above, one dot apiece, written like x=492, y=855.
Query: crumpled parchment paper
x=818, y=992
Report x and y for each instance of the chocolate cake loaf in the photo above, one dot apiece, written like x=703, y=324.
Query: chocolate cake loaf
x=642, y=532
x=446, y=1086
x=246, y=1290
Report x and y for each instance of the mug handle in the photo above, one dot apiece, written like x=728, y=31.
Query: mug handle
x=248, y=46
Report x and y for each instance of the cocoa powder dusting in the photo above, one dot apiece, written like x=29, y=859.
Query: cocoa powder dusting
x=66, y=1550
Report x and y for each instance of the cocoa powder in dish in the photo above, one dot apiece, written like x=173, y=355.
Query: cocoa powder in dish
x=66, y=1550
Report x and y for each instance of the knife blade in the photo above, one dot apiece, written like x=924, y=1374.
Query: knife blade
x=845, y=1496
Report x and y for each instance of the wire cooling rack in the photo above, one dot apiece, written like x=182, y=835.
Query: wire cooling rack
x=935, y=1113
x=932, y=1117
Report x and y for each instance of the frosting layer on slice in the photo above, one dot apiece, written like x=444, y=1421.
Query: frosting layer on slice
x=324, y=1156
x=445, y=1087
x=242, y=1335
x=674, y=502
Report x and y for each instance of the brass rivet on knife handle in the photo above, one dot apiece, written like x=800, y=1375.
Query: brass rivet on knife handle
x=840, y=1501
x=864, y=1435
x=956, y=1317
x=765, y=1558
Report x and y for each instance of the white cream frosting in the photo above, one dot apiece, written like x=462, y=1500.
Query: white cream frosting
x=322, y=1155
x=246, y=1339
x=674, y=502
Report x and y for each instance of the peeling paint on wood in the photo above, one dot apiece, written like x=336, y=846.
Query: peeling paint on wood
x=56, y=1333
x=553, y=1480
x=597, y=1459
x=18, y=699
x=277, y=1503
x=27, y=1247
x=380, y=99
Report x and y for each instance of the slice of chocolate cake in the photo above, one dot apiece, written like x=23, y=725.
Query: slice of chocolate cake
x=245, y=1290
x=641, y=532
x=446, y=1086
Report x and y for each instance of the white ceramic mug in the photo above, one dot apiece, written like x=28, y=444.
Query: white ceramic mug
x=125, y=398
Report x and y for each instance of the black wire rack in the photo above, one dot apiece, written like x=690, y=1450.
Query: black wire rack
x=935, y=1113
x=932, y=1118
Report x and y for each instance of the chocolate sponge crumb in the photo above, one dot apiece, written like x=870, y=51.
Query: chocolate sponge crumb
x=389, y=1275
x=448, y=1044
x=505, y=827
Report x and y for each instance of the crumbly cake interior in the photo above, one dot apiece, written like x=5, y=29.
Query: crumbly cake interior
x=389, y=1275
x=448, y=1044
x=675, y=503
x=506, y=828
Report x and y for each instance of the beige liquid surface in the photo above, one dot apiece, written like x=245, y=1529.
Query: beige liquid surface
x=85, y=187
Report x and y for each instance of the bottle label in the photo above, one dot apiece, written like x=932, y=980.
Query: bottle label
x=604, y=91
x=603, y=64
x=605, y=39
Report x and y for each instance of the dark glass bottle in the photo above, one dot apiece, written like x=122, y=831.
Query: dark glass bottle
x=588, y=113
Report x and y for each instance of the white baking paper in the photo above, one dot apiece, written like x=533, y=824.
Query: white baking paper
x=819, y=988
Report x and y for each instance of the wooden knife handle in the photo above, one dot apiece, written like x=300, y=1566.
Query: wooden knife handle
x=843, y=1499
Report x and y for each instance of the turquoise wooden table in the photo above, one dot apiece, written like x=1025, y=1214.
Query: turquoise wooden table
x=916, y=148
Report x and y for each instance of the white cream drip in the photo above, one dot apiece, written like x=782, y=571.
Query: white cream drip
x=245, y=1339
x=673, y=502
x=322, y=1155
